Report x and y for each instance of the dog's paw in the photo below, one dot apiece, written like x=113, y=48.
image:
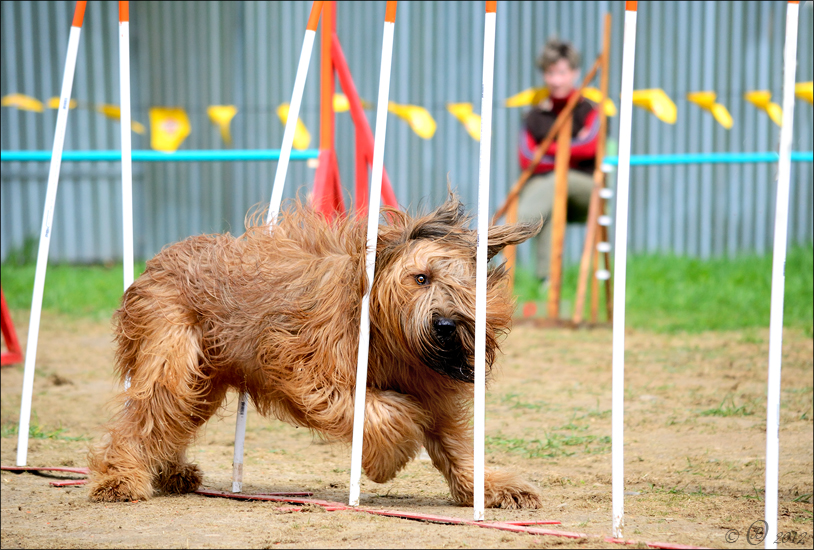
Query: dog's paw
x=514, y=498
x=505, y=490
x=179, y=479
x=117, y=489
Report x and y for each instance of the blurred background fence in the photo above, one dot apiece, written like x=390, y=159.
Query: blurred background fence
x=196, y=54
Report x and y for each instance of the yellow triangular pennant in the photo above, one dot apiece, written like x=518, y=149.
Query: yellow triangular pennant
x=657, y=102
x=762, y=99
x=22, y=102
x=706, y=100
x=417, y=117
x=471, y=120
x=533, y=96
x=805, y=91
x=221, y=116
x=53, y=103
x=114, y=112
x=301, y=136
x=169, y=127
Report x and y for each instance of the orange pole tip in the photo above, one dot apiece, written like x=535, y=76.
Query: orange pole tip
x=794, y=1
x=390, y=13
x=79, y=13
x=491, y=7
x=124, y=12
x=313, y=19
x=631, y=6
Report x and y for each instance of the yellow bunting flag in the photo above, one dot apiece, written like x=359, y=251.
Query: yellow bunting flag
x=342, y=104
x=301, y=136
x=595, y=95
x=114, y=112
x=706, y=100
x=22, y=102
x=529, y=96
x=470, y=120
x=805, y=91
x=221, y=116
x=533, y=96
x=762, y=99
x=169, y=127
x=417, y=117
x=53, y=103
x=657, y=102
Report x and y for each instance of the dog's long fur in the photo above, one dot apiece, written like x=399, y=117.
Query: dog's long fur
x=276, y=313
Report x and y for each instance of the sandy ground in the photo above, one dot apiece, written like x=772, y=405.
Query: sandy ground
x=694, y=452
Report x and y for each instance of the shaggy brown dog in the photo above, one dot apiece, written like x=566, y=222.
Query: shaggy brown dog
x=276, y=314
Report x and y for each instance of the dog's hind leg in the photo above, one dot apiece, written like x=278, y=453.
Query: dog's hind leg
x=178, y=475
x=169, y=398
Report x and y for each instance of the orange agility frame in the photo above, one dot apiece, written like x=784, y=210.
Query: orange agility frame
x=327, y=194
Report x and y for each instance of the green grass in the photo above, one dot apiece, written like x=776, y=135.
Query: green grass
x=553, y=445
x=664, y=293
x=35, y=431
x=91, y=291
x=670, y=294
x=728, y=408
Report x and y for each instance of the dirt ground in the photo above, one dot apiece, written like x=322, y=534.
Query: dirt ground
x=694, y=452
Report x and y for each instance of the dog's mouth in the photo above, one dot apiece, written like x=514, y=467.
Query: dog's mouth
x=453, y=365
x=447, y=354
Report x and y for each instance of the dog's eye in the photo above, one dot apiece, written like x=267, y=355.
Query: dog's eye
x=421, y=279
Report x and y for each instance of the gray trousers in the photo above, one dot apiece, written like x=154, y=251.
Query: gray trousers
x=537, y=199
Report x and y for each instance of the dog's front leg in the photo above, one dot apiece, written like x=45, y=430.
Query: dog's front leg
x=449, y=445
x=394, y=430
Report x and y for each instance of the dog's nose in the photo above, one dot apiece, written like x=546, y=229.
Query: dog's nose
x=444, y=327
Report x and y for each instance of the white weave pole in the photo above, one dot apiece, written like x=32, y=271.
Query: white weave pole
x=45, y=233
x=620, y=271
x=127, y=157
x=781, y=221
x=376, y=171
x=274, y=209
x=480, y=269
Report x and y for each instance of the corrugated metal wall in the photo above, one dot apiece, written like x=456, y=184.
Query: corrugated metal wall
x=245, y=53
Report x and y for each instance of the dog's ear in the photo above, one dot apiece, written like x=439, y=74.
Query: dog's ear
x=501, y=236
x=443, y=222
x=452, y=212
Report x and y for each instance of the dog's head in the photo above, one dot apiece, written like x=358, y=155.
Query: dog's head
x=423, y=297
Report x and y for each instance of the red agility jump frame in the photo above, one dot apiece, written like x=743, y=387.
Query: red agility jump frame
x=14, y=353
x=327, y=195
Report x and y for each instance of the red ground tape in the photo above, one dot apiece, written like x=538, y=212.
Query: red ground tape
x=514, y=526
x=300, y=494
x=44, y=469
x=532, y=522
x=293, y=498
x=68, y=482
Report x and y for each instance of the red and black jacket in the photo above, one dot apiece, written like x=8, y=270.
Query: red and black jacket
x=537, y=124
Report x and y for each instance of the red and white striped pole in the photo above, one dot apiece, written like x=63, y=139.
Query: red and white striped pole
x=781, y=222
x=274, y=209
x=127, y=158
x=620, y=271
x=480, y=269
x=376, y=170
x=46, y=231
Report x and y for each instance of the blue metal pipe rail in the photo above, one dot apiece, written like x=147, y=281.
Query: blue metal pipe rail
x=711, y=158
x=210, y=155
x=232, y=155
